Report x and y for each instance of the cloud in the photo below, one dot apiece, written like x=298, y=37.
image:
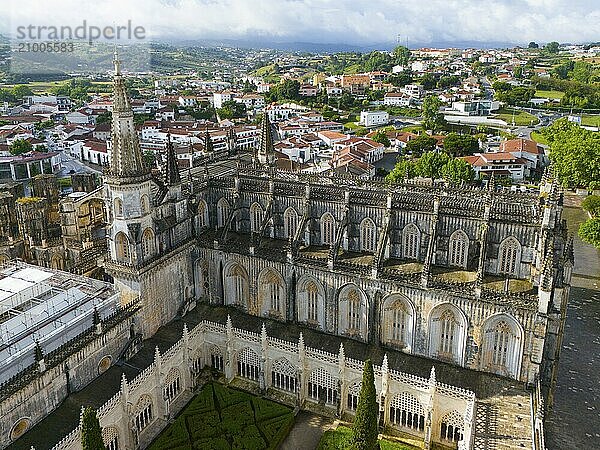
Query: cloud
x=328, y=21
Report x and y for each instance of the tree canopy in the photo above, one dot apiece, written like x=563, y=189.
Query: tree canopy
x=364, y=428
x=382, y=138
x=91, y=432
x=19, y=147
x=232, y=110
x=430, y=164
x=589, y=231
x=591, y=204
x=432, y=118
x=460, y=145
x=420, y=145
x=457, y=170
x=404, y=168
x=575, y=153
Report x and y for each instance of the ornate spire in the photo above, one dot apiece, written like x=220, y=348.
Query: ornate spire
x=266, y=151
x=172, y=175
x=126, y=160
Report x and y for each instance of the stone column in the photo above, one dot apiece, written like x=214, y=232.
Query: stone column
x=229, y=369
x=188, y=382
x=385, y=376
x=342, y=383
x=302, y=371
x=264, y=347
x=429, y=411
x=162, y=406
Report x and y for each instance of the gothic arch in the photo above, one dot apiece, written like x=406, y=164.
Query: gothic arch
x=57, y=262
x=311, y=301
x=148, y=243
x=248, y=364
x=368, y=235
x=235, y=283
x=118, y=207
x=509, y=256
x=447, y=333
x=502, y=345
x=411, y=241
x=202, y=214
x=290, y=223
x=110, y=436
x=327, y=223
x=272, y=293
x=256, y=217
x=452, y=427
x=122, y=248
x=406, y=411
x=284, y=375
x=4, y=259
x=398, y=321
x=202, y=287
x=322, y=386
x=352, y=316
x=223, y=211
x=458, y=249
x=144, y=204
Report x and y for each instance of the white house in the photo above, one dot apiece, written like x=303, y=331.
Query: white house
x=374, y=118
x=221, y=97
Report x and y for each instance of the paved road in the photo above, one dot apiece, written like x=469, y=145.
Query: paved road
x=307, y=432
x=69, y=163
x=574, y=423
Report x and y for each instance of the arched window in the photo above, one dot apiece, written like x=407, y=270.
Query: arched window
x=223, y=211
x=256, y=217
x=447, y=333
x=322, y=387
x=248, y=364
x=283, y=375
x=236, y=286
x=327, y=229
x=110, y=436
x=509, y=256
x=216, y=358
x=398, y=319
x=353, y=394
x=458, y=249
x=368, y=233
x=122, y=247
x=271, y=293
x=148, y=246
x=352, y=312
x=202, y=214
x=118, y=206
x=144, y=204
x=410, y=241
x=144, y=413
x=501, y=347
x=172, y=385
x=407, y=412
x=311, y=302
x=451, y=427
x=290, y=223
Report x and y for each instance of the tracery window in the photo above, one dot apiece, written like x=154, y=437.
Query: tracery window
x=410, y=241
x=283, y=375
x=448, y=330
x=118, y=205
x=353, y=394
x=110, y=436
x=144, y=204
x=327, y=229
x=248, y=364
x=458, y=249
x=256, y=217
x=223, y=211
x=144, y=415
x=290, y=223
x=354, y=310
x=172, y=385
x=202, y=214
x=323, y=387
x=368, y=232
x=148, y=247
x=122, y=247
x=216, y=359
x=451, y=427
x=509, y=252
x=313, y=301
x=406, y=411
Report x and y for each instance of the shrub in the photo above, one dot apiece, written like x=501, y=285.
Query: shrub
x=265, y=409
x=591, y=204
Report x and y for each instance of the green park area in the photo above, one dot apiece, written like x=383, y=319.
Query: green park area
x=521, y=118
x=340, y=439
x=553, y=95
x=590, y=120
x=220, y=418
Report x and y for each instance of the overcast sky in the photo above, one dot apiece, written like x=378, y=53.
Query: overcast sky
x=357, y=22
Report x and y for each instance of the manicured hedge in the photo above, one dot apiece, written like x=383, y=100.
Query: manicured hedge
x=221, y=418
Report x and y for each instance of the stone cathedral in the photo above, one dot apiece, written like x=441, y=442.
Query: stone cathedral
x=478, y=278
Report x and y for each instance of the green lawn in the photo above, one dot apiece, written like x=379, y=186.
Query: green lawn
x=522, y=118
x=338, y=439
x=539, y=138
x=220, y=418
x=590, y=120
x=549, y=94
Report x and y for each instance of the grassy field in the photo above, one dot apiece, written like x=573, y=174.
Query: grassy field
x=539, y=138
x=338, y=439
x=521, y=118
x=221, y=418
x=549, y=94
x=590, y=120
x=40, y=87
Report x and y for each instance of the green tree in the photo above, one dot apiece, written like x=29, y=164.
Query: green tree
x=364, y=428
x=589, y=231
x=232, y=110
x=591, y=204
x=150, y=158
x=552, y=47
x=533, y=45
x=91, y=432
x=401, y=55
x=574, y=152
x=430, y=164
x=381, y=137
x=420, y=145
x=458, y=170
x=432, y=118
x=460, y=145
x=104, y=117
x=19, y=147
x=289, y=90
x=404, y=168
x=21, y=91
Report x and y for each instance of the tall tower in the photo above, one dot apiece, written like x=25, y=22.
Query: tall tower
x=266, y=151
x=128, y=194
